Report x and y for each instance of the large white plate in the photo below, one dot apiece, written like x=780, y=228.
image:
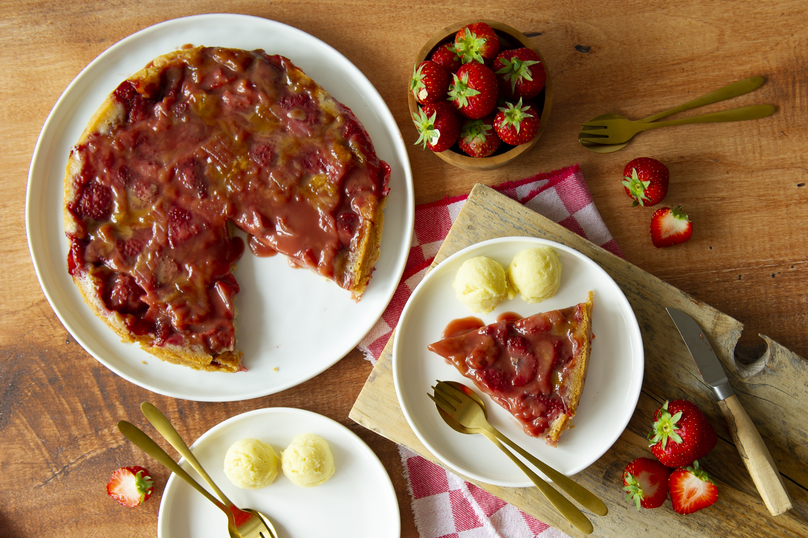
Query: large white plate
x=612, y=385
x=358, y=501
x=292, y=325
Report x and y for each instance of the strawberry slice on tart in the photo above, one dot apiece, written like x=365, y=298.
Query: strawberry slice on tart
x=533, y=367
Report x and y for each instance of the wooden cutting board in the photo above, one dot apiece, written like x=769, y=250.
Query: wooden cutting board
x=772, y=388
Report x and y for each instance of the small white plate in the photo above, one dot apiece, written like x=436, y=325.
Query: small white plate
x=292, y=324
x=612, y=385
x=358, y=501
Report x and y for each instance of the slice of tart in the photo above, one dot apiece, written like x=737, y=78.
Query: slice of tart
x=534, y=367
x=200, y=142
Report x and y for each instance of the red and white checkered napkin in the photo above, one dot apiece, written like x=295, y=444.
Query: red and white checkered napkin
x=444, y=505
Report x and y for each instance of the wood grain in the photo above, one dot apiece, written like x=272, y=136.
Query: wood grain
x=745, y=185
x=670, y=373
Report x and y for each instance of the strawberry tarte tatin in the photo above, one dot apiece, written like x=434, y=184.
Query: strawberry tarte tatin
x=202, y=141
x=534, y=367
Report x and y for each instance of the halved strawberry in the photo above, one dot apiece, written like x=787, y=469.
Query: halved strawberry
x=517, y=124
x=520, y=73
x=670, y=227
x=478, y=138
x=429, y=82
x=473, y=90
x=130, y=486
x=691, y=489
x=438, y=126
x=681, y=434
x=646, y=181
x=645, y=482
x=477, y=42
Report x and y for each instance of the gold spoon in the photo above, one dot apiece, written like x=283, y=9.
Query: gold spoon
x=735, y=89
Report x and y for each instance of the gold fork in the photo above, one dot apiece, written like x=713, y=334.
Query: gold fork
x=252, y=528
x=247, y=519
x=619, y=130
x=465, y=412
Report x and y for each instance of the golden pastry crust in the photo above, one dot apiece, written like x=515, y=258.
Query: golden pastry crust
x=577, y=375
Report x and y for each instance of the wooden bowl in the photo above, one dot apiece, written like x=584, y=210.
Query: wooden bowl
x=510, y=38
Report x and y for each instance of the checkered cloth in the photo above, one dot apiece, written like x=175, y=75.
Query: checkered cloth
x=444, y=505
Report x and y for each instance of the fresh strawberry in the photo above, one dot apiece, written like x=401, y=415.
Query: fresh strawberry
x=477, y=42
x=520, y=73
x=681, y=434
x=691, y=489
x=670, y=227
x=645, y=482
x=438, y=126
x=646, y=181
x=130, y=486
x=429, y=82
x=446, y=57
x=474, y=91
x=478, y=138
x=517, y=124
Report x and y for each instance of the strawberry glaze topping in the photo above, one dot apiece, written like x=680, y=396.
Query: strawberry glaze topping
x=226, y=137
x=520, y=362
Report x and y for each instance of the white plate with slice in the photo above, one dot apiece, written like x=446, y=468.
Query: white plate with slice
x=358, y=501
x=292, y=324
x=612, y=385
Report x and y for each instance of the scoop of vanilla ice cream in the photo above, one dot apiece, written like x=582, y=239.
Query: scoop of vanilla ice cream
x=535, y=273
x=481, y=285
x=251, y=464
x=307, y=461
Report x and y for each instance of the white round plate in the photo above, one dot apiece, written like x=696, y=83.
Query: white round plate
x=612, y=384
x=292, y=324
x=358, y=501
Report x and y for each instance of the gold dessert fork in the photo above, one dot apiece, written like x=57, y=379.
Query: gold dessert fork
x=463, y=410
x=251, y=528
x=619, y=130
x=245, y=517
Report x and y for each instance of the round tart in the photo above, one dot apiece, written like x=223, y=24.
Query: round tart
x=200, y=143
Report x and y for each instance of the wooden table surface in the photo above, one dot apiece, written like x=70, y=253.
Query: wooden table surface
x=745, y=186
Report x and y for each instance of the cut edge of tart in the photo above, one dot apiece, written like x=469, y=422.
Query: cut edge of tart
x=360, y=196
x=533, y=367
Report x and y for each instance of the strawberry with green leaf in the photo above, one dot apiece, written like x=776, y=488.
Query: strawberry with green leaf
x=130, y=486
x=691, y=489
x=473, y=90
x=478, y=138
x=645, y=482
x=477, y=42
x=670, y=226
x=429, y=82
x=517, y=123
x=520, y=73
x=646, y=181
x=438, y=126
x=446, y=57
x=681, y=434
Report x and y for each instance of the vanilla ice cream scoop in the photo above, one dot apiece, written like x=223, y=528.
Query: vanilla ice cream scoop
x=481, y=285
x=535, y=273
x=308, y=461
x=251, y=464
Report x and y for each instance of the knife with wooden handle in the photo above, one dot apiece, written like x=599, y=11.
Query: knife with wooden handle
x=750, y=445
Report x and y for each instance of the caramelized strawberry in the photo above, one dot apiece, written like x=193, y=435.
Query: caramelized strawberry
x=95, y=201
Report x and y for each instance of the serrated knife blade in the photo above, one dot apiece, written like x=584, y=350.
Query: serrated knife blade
x=750, y=445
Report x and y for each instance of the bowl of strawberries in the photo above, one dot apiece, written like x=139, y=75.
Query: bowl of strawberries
x=479, y=94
